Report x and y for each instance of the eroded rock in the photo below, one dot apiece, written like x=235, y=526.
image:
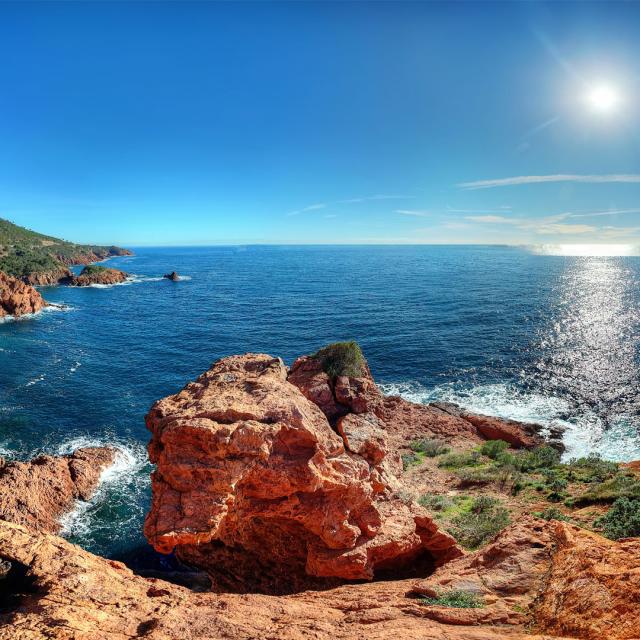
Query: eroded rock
x=37, y=493
x=18, y=298
x=248, y=466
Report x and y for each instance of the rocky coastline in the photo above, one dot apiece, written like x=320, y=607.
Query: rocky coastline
x=18, y=298
x=96, y=274
x=295, y=490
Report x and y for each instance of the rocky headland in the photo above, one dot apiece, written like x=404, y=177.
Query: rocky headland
x=322, y=509
x=18, y=298
x=96, y=274
x=37, y=259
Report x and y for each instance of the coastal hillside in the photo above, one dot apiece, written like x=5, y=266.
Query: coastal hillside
x=39, y=259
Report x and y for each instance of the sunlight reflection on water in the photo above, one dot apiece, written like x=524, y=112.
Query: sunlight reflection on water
x=589, y=344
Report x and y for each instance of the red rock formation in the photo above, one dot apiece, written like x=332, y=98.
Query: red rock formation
x=55, y=590
x=402, y=420
x=553, y=576
x=45, y=278
x=38, y=492
x=247, y=467
x=18, y=298
x=103, y=275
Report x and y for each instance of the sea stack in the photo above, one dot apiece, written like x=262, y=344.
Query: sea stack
x=97, y=274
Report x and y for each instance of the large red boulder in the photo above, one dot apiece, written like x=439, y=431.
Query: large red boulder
x=252, y=478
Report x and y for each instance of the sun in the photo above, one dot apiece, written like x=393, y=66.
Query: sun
x=603, y=98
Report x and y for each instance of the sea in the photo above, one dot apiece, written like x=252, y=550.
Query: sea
x=506, y=331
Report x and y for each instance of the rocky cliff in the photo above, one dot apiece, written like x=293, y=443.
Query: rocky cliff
x=537, y=581
x=18, y=298
x=275, y=480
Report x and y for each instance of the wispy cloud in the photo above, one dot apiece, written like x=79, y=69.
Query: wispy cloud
x=324, y=205
x=502, y=209
x=549, y=225
x=597, y=214
x=311, y=207
x=379, y=196
x=493, y=219
x=559, y=177
x=413, y=212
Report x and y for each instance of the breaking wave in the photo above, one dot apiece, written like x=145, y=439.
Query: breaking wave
x=119, y=504
x=584, y=433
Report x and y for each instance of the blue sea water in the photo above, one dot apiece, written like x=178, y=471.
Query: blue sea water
x=500, y=330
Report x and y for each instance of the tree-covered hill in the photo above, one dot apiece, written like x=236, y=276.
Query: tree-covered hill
x=27, y=254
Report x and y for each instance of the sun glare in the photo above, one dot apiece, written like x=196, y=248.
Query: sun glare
x=603, y=98
x=585, y=250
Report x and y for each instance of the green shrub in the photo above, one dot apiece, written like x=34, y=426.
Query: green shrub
x=543, y=457
x=457, y=460
x=342, y=359
x=429, y=447
x=435, y=502
x=620, y=486
x=483, y=504
x=411, y=459
x=483, y=521
x=493, y=448
x=591, y=469
x=551, y=513
x=479, y=476
x=622, y=520
x=457, y=599
x=92, y=269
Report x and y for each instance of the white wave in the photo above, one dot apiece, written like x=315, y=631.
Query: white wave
x=75, y=367
x=133, y=278
x=33, y=381
x=50, y=308
x=120, y=488
x=583, y=434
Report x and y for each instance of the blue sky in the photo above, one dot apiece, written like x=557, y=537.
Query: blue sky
x=179, y=123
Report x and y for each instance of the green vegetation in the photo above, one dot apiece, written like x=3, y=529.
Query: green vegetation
x=622, y=520
x=458, y=460
x=342, y=359
x=551, y=513
x=457, y=599
x=485, y=518
x=430, y=447
x=93, y=269
x=471, y=521
x=421, y=449
x=493, y=448
x=24, y=252
x=620, y=486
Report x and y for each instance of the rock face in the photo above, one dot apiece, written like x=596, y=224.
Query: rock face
x=18, y=298
x=253, y=484
x=172, y=276
x=46, y=278
x=103, y=275
x=565, y=581
x=402, y=420
x=538, y=580
x=38, y=492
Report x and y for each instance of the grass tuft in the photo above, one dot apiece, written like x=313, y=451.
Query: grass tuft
x=457, y=599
